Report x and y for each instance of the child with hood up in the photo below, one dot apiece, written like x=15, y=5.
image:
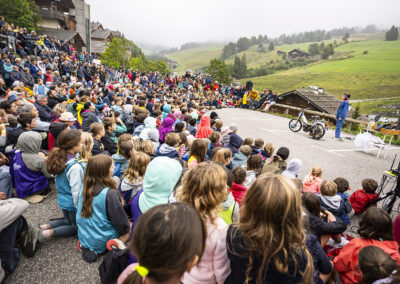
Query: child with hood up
x=166, y=110
x=27, y=167
x=293, y=168
x=204, y=130
x=165, y=128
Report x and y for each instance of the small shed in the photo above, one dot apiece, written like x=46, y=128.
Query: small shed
x=320, y=101
x=298, y=53
x=280, y=52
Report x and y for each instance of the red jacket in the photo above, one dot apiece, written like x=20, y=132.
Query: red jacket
x=360, y=199
x=346, y=263
x=238, y=192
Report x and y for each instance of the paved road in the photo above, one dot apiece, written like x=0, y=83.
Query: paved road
x=58, y=260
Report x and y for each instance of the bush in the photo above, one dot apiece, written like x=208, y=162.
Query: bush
x=365, y=52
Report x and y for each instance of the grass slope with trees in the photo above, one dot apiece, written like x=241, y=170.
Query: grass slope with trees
x=369, y=69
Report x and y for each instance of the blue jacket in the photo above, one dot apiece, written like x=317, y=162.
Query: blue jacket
x=342, y=110
x=94, y=232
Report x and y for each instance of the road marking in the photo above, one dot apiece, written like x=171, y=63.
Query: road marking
x=275, y=131
x=340, y=155
x=371, y=149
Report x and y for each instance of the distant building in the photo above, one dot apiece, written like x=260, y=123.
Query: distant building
x=298, y=53
x=66, y=15
x=280, y=52
x=100, y=36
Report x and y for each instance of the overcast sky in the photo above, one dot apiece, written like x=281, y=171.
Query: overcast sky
x=174, y=22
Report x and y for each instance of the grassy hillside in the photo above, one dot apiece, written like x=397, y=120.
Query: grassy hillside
x=371, y=75
x=195, y=58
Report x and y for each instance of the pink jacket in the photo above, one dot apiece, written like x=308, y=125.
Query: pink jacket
x=214, y=266
x=311, y=184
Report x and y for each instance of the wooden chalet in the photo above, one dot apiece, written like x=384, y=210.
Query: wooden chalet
x=316, y=100
x=298, y=53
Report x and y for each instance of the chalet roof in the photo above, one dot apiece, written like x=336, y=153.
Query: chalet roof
x=64, y=35
x=299, y=51
x=116, y=33
x=324, y=102
x=100, y=34
x=95, y=25
x=97, y=47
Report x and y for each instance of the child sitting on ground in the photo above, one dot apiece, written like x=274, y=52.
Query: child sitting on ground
x=257, y=147
x=132, y=181
x=172, y=245
x=100, y=216
x=342, y=188
x=333, y=202
x=240, y=158
x=183, y=146
x=121, y=160
x=312, y=182
x=375, y=264
x=168, y=149
x=253, y=168
x=109, y=127
x=27, y=166
x=204, y=188
x=238, y=189
x=86, y=149
x=97, y=131
x=365, y=197
x=268, y=151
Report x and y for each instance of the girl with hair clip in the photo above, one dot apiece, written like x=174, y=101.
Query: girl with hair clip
x=172, y=245
x=375, y=229
x=101, y=219
x=198, y=153
x=132, y=181
x=62, y=163
x=205, y=188
x=268, y=245
x=86, y=150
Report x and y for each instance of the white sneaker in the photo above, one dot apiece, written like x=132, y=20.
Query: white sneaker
x=334, y=244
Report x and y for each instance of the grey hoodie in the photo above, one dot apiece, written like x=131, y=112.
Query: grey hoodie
x=293, y=168
x=29, y=144
x=331, y=201
x=10, y=210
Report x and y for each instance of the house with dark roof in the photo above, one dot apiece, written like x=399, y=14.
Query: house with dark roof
x=298, y=53
x=311, y=98
x=100, y=36
x=66, y=15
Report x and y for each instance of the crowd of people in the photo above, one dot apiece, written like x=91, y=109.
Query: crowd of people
x=143, y=167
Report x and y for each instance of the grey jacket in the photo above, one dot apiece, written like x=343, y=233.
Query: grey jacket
x=10, y=210
x=29, y=144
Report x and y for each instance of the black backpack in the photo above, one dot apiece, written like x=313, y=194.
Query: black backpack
x=113, y=265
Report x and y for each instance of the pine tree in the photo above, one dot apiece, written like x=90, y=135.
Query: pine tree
x=271, y=46
x=392, y=34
